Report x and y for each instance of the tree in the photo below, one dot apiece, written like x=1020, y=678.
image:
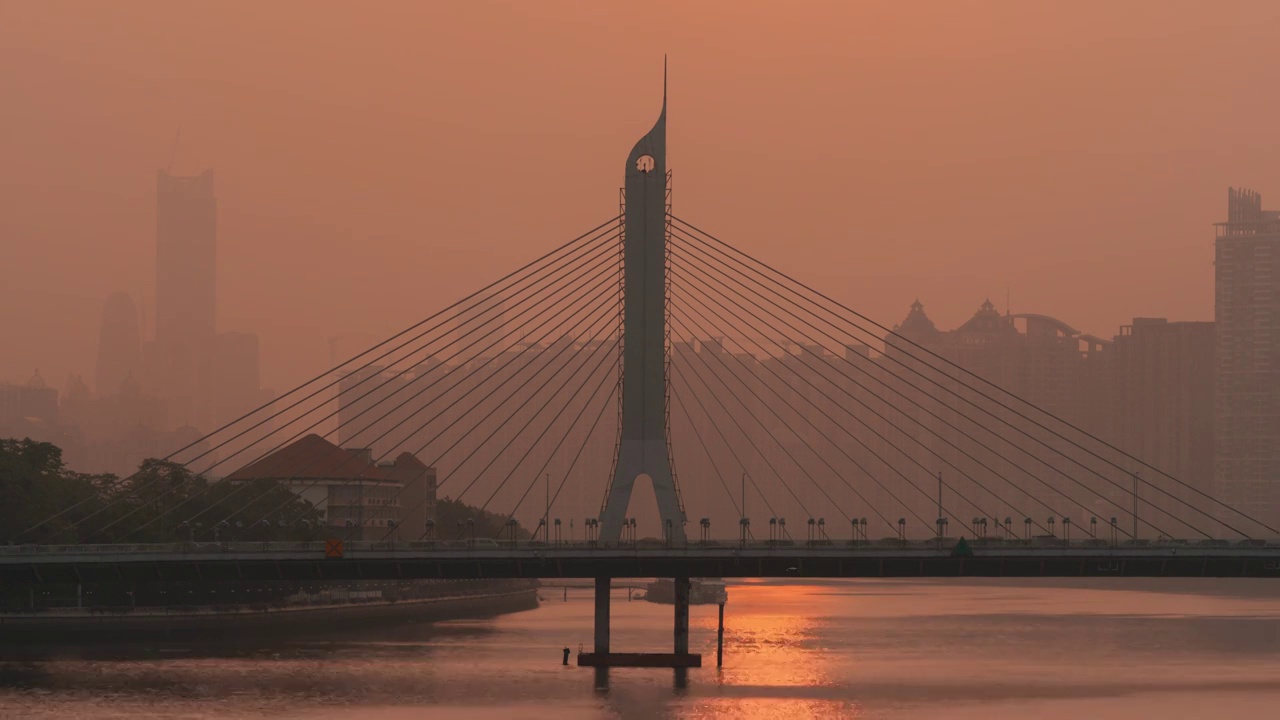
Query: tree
x=487, y=525
x=40, y=500
x=43, y=502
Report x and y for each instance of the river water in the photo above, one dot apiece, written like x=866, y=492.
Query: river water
x=855, y=649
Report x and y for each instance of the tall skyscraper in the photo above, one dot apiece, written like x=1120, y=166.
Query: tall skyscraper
x=119, y=345
x=186, y=244
x=1247, y=308
x=186, y=278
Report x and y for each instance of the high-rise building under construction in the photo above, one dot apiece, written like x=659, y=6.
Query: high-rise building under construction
x=1247, y=308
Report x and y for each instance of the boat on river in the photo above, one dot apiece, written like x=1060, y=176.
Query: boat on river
x=702, y=591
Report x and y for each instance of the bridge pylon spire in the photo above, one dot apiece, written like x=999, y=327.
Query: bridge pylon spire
x=643, y=447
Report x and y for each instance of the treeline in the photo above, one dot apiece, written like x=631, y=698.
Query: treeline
x=452, y=513
x=43, y=502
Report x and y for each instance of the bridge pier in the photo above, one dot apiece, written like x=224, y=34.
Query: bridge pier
x=682, y=616
x=603, y=586
x=603, y=657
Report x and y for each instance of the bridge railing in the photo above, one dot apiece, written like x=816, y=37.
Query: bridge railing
x=492, y=547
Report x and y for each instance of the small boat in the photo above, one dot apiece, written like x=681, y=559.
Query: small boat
x=701, y=592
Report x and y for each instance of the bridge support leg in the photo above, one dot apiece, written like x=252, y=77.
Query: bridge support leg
x=720, y=639
x=602, y=615
x=682, y=615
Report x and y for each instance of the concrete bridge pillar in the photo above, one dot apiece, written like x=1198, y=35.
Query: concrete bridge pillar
x=602, y=615
x=682, y=616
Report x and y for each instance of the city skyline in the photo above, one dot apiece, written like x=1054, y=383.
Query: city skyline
x=1008, y=190
x=365, y=360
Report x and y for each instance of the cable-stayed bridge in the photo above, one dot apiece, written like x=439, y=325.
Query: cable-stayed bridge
x=648, y=356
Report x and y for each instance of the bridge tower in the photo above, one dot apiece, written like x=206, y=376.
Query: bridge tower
x=643, y=447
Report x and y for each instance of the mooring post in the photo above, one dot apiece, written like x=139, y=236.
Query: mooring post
x=602, y=615
x=720, y=639
x=682, y=615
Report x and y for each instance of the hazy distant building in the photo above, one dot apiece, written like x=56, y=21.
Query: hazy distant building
x=33, y=401
x=207, y=379
x=186, y=251
x=359, y=498
x=1247, y=310
x=30, y=410
x=1036, y=357
x=1164, y=411
x=119, y=345
x=478, y=326
x=235, y=379
x=186, y=297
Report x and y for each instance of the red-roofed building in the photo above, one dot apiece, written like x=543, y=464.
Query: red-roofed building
x=369, y=500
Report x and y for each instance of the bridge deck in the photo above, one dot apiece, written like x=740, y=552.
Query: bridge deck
x=303, y=561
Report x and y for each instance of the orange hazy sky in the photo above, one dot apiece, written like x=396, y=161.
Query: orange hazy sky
x=376, y=161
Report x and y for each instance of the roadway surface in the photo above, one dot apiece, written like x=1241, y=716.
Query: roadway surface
x=838, y=559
